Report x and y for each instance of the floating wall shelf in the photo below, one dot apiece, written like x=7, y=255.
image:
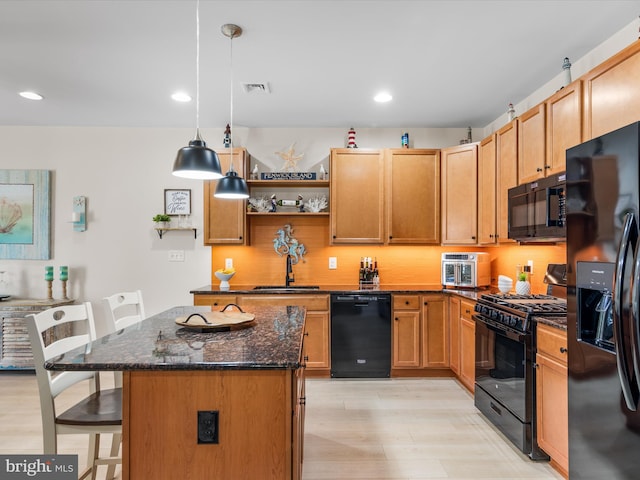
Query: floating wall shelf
x=162, y=230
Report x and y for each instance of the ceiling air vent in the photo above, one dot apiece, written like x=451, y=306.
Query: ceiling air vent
x=256, y=87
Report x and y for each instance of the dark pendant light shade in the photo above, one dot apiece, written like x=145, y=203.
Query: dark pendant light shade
x=197, y=161
x=232, y=186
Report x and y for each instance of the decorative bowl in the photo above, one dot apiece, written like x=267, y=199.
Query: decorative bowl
x=224, y=279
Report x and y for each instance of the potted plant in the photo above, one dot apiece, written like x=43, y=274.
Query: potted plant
x=162, y=220
x=523, y=287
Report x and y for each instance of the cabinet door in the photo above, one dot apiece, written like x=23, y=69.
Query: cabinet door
x=357, y=194
x=454, y=334
x=564, y=125
x=435, y=332
x=406, y=335
x=316, y=342
x=531, y=144
x=467, y=353
x=467, y=345
x=506, y=176
x=487, y=191
x=224, y=219
x=413, y=196
x=553, y=410
x=460, y=194
x=612, y=93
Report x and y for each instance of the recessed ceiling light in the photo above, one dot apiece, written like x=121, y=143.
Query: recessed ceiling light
x=383, y=97
x=181, y=97
x=31, y=95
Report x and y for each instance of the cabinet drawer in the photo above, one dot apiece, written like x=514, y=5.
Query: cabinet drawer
x=406, y=302
x=311, y=302
x=552, y=342
x=466, y=309
x=214, y=300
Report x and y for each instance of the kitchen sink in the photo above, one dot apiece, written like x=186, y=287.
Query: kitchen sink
x=282, y=288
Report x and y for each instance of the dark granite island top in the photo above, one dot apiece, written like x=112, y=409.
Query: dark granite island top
x=158, y=343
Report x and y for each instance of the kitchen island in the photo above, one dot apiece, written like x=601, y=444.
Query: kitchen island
x=200, y=405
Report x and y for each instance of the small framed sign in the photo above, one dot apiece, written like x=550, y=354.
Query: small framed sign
x=177, y=202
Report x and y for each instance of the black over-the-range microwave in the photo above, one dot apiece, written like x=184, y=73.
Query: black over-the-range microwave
x=537, y=210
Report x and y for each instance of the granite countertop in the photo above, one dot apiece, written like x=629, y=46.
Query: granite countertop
x=158, y=343
x=556, y=322
x=340, y=289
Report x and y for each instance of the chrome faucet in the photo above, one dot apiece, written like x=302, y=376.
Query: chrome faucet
x=289, y=277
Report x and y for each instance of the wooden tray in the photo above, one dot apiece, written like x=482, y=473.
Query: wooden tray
x=221, y=321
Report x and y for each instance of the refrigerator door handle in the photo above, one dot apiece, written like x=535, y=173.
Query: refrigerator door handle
x=628, y=240
x=635, y=314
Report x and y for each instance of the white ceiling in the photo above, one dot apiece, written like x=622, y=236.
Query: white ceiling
x=447, y=63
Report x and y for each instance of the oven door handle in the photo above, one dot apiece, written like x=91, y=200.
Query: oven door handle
x=500, y=329
x=628, y=240
x=635, y=315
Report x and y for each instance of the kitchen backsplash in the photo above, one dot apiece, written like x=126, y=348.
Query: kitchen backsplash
x=259, y=264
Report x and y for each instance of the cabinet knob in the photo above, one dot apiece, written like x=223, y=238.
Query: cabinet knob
x=535, y=365
x=406, y=302
x=473, y=238
x=491, y=235
x=390, y=237
x=547, y=167
x=538, y=169
x=563, y=350
x=396, y=319
x=334, y=236
x=426, y=303
x=303, y=400
x=467, y=311
x=306, y=334
x=306, y=358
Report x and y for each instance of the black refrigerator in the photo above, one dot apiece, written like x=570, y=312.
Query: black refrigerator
x=603, y=296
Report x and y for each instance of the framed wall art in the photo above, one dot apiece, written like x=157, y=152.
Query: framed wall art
x=177, y=202
x=25, y=214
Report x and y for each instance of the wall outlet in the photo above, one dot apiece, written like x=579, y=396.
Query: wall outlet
x=176, y=255
x=333, y=263
x=228, y=263
x=208, y=426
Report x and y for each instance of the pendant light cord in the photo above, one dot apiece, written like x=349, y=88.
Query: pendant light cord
x=231, y=94
x=198, y=70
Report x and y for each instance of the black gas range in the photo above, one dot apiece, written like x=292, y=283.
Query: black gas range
x=505, y=354
x=516, y=311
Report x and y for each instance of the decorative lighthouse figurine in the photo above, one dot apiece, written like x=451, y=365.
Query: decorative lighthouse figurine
x=351, y=138
x=566, y=72
x=227, y=137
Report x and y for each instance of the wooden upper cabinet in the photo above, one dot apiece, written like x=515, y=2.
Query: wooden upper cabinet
x=224, y=219
x=460, y=194
x=506, y=176
x=564, y=125
x=531, y=144
x=357, y=196
x=612, y=93
x=413, y=196
x=487, y=191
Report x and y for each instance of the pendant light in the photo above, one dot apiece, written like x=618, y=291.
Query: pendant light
x=196, y=160
x=232, y=185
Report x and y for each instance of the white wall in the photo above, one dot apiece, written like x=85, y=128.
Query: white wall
x=123, y=173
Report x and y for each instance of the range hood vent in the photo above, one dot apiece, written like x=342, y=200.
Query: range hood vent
x=260, y=87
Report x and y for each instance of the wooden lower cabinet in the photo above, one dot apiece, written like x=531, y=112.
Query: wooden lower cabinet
x=454, y=334
x=420, y=332
x=317, y=325
x=552, y=395
x=467, y=344
x=260, y=424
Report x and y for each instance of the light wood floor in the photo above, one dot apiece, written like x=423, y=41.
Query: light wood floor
x=401, y=429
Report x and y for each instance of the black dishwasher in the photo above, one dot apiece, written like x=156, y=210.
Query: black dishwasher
x=360, y=336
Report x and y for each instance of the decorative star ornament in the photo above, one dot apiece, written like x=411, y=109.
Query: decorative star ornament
x=290, y=159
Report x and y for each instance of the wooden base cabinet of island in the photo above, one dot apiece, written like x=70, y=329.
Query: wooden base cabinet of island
x=552, y=395
x=259, y=432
